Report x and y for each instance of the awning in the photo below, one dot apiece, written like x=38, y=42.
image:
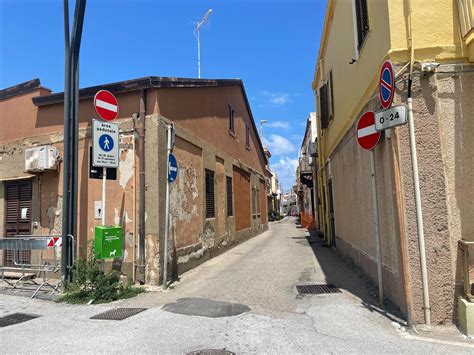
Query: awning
x=18, y=177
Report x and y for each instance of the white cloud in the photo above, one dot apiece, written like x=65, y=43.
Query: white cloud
x=285, y=168
x=278, y=124
x=277, y=98
x=279, y=145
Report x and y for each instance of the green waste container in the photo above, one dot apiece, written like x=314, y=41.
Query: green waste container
x=108, y=242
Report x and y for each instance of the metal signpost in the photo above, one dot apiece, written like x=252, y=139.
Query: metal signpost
x=171, y=174
x=105, y=152
x=368, y=138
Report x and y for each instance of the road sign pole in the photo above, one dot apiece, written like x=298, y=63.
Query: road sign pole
x=167, y=211
x=419, y=215
x=104, y=187
x=376, y=226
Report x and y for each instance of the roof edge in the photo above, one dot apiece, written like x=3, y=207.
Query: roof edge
x=20, y=89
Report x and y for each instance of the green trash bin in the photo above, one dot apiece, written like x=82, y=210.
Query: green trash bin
x=108, y=242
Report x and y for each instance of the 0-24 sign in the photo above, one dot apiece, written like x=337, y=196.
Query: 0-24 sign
x=390, y=117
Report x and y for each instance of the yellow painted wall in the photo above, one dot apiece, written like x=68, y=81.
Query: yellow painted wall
x=436, y=31
x=436, y=38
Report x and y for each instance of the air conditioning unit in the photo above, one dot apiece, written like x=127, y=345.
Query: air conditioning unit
x=41, y=158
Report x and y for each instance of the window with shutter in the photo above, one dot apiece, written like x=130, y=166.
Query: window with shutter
x=210, y=205
x=362, y=19
x=231, y=119
x=247, y=136
x=323, y=104
x=230, y=211
x=18, y=196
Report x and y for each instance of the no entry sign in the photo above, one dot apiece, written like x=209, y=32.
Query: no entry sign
x=367, y=136
x=386, y=84
x=106, y=105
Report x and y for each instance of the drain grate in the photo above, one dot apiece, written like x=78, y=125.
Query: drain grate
x=16, y=318
x=118, y=313
x=211, y=352
x=317, y=289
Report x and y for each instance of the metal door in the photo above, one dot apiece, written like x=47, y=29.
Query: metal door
x=18, y=204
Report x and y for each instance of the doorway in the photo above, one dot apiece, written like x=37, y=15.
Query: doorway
x=18, y=203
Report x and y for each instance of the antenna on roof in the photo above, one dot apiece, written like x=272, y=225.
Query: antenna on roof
x=198, y=27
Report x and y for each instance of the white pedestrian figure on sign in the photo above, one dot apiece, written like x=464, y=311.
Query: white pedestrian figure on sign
x=106, y=143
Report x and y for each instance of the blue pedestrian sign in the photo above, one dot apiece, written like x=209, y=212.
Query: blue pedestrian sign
x=172, y=168
x=106, y=143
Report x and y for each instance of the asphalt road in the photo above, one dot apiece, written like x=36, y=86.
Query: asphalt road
x=256, y=282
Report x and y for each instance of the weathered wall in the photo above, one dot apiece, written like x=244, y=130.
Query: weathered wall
x=205, y=113
x=242, y=201
x=263, y=202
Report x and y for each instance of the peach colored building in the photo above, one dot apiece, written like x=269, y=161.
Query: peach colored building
x=218, y=199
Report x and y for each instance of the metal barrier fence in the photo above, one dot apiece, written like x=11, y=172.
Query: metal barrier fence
x=28, y=256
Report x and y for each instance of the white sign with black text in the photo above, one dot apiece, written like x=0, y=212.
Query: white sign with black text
x=105, y=144
x=390, y=117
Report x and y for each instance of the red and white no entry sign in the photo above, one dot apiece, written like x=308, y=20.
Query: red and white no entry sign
x=367, y=136
x=106, y=105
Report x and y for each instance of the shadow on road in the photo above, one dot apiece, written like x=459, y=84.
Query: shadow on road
x=349, y=278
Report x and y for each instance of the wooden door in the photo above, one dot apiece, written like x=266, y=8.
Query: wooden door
x=18, y=196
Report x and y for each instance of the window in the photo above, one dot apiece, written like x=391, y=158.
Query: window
x=230, y=211
x=210, y=206
x=247, y=136
x=362, y=21
x=231, y=119
x=326, y=102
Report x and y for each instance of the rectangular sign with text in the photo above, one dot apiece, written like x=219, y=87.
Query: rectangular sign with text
x=390, y=117
x=105, y=144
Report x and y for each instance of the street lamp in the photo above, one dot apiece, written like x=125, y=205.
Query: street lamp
x=198, y=27
x=262, y=122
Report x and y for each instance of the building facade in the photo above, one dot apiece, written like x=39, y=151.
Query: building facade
x=218, y=199
x=306, y=178
x=438, y=39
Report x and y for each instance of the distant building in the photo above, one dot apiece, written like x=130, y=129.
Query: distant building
x=306, y=178
x=220, y=195
x=438, y=37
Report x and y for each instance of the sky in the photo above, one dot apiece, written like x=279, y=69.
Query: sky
x=271, y=45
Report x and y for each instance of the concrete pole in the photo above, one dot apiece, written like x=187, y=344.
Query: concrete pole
x=376, y=226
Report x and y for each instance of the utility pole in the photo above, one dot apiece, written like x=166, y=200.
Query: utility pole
x=198, y=27
x=71, y=129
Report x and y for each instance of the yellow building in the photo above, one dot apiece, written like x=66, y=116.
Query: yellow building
x=437, y=37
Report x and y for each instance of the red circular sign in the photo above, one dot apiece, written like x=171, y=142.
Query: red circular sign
x=106, y=105
x=367, y=136
x=386, y=84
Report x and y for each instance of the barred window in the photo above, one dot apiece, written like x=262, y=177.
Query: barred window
x=230, y=211
x=210, y=205
x=362, y=19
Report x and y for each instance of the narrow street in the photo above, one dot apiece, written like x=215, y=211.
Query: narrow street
x=260, y=274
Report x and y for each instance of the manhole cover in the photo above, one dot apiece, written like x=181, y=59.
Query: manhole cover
x=317, y=289
x=205, y=308
x=211, y=352
x=16, y=318
x=118, y=313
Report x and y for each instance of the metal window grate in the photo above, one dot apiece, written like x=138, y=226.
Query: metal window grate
x=16, y=318
x=362, y=18
x=118, y=313
x=317, y=289
x=230, y=210
x=210, y=205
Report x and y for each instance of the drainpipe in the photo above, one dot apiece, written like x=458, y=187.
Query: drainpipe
x=140, y=127
x=416, y=183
